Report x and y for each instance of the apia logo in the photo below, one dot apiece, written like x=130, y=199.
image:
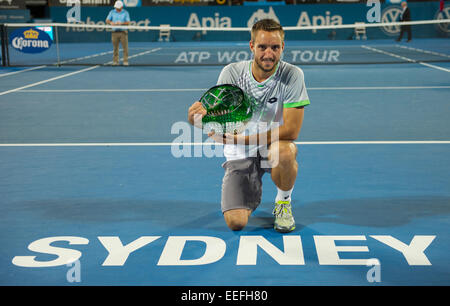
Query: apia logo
x=317, y=20
x=30, y=40
x=209, y=22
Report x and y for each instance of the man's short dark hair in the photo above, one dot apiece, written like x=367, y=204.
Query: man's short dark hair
x=268, y=25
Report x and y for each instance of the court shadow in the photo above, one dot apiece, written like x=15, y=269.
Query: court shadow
x=369, y=212
x=372, y=212
x=164, y=214
x=261, y=219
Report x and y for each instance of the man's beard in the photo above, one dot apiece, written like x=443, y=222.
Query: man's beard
x=260, y=65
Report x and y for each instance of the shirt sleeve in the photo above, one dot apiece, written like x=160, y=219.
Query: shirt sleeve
x=127, y=16
x=109, y=17
x=226, y=76
x=296, y=94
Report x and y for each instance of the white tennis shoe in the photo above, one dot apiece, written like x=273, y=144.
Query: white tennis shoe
x=284, y=221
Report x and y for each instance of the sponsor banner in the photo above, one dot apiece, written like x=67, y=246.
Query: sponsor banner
x=243, y=16
x=134, y=3
x=229, y=16
x=83, y=2
x=30, y=40
x=12, y=4
x=183, y=2
x=246, y=16
x=11, y=16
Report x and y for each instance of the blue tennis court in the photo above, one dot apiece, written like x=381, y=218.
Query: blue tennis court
x=89, y=172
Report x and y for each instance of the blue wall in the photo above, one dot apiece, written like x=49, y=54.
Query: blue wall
x=244, y=16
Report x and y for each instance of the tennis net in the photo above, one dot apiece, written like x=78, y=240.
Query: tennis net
x=360, y=43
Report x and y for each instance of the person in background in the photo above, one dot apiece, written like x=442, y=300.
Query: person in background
x=119, y=16
x=405, y=16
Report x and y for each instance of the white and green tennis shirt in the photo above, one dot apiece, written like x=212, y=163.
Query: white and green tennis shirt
x=284, y=89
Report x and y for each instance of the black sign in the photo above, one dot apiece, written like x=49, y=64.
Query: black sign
x=135, y=3
x=81, y=2
x=183, y=2
x=12, y=4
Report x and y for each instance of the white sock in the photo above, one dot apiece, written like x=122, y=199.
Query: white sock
x=283, y=195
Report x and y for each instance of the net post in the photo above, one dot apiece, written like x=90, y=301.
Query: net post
x=3, y=41
x=7, y=48
x=58, y=60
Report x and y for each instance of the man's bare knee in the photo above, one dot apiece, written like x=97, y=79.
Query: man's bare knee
x=282, y=152
x=236, y=219
x=236, y=225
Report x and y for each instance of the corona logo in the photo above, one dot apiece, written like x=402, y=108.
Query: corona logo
x=31, y=34
x=30, y=40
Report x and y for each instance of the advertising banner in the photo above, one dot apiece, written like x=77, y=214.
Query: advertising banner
x=137, y=3
x=30, y=40
x=246, y=16
x=12, y=4
x=12, y=16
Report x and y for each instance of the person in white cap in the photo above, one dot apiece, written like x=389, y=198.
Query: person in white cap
x=119, y=16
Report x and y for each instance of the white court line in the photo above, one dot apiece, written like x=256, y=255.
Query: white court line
x=164, y=144
x=405, y=58
x=145, y=52
x=64, y=75
x=424, y=51
x=48, y=80
x=379, y=88
x=115, y=90
x=85, y=57
x=106, y=53
x=434, y=66
x=204, y=89
x=24, y=70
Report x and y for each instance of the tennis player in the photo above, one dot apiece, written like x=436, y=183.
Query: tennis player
x=280, y=88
